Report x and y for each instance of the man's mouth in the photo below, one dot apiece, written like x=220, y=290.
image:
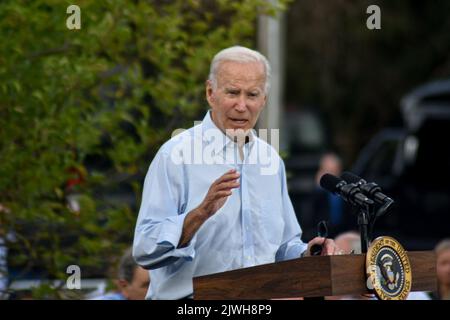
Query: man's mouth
x=239, y=121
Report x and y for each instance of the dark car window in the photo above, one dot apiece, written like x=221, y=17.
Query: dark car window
x=432, y=165
x=382, y=160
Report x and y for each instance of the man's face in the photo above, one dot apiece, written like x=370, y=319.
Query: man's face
x=443, y=267
x=239, y=96
x=137, y=288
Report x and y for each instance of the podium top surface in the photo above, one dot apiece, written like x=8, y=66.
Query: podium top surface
x=307, y=277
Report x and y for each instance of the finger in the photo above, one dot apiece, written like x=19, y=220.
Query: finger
x=331, y=250
x=222, y=194
x=230, y=175
x=317, y=240
x=227, y=185
x=329, y=247
x=314, y=241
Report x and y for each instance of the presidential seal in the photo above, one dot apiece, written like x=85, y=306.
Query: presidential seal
x=388, y=269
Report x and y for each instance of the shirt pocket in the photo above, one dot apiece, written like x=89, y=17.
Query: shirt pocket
x=272, y=221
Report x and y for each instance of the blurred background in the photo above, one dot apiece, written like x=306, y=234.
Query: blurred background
x=83, y=112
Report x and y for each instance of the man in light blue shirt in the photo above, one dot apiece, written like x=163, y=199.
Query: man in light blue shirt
x=215, y=196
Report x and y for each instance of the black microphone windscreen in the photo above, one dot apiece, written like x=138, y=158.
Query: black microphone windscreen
x=350, y=177
x=329, y=182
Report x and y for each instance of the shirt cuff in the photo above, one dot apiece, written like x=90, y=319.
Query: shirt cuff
x=170, y=234
x=296, y=251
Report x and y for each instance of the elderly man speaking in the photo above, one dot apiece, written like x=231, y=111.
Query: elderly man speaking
x=218, y=210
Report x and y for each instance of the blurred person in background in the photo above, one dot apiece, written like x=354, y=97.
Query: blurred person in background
x=349, y=242
x=329, y=163
x=325, y=205
x=5, y=237
x=132, y=281
x=3, y=268
x=442, y=251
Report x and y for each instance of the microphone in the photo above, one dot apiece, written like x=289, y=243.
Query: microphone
x=350, y=192
x=371, y=189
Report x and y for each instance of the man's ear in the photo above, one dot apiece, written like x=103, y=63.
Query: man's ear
x=209, y=92
x=121, y=283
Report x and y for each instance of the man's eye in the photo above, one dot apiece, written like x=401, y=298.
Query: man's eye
x=233, y=93
x=253, y=94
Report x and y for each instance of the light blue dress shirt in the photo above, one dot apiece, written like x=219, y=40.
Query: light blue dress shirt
x=256, y=225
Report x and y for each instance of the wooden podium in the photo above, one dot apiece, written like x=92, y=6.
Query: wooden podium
x=307, y=277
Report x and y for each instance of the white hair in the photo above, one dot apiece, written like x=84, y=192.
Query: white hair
x=442, y=246
x=239, y=54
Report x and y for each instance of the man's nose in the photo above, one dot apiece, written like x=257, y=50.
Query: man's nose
x=241, y=104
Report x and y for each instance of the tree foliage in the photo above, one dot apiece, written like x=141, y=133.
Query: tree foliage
x=84, y=111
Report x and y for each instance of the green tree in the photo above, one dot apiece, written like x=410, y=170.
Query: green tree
x=84, y=111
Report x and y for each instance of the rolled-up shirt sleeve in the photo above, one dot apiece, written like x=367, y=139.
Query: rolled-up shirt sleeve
x=292, y=246
x=161, y=216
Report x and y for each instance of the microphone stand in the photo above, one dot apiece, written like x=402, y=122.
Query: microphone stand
x=364, y=215
x=366, y=220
